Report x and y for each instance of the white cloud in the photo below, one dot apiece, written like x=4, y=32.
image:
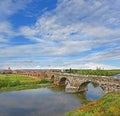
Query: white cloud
x=9, y=7
x=26, y=31
x=2, y=39
x=111, y=54
x=74, y=28
x=69, y=21
x=6, y=31
x=5, y=27
x=102, y=66
x=79, y=66
x=100, y=31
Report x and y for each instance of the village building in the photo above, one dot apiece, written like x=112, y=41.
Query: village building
x=7, y=71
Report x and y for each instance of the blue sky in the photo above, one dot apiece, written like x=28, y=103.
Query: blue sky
x=60, y=34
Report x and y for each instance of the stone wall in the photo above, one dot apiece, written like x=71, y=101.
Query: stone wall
x=35, y=74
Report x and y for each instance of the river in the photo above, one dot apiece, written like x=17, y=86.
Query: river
x=45, y=101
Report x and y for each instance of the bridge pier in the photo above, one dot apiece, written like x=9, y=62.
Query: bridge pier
x=71, y=89
x=81, y=89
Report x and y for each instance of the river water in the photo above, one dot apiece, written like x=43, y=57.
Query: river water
x=45, y=101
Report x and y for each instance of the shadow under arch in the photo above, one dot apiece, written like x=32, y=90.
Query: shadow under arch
x=64, y=81
x=84, y=86
x=52, y=78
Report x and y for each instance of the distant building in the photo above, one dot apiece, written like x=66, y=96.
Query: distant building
x=7, y=71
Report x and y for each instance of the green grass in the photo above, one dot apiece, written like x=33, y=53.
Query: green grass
x=18, y=82
x=109, y=105
x=94, y=72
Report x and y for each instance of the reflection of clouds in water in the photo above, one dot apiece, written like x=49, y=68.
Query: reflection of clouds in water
x=3, y=112
x=94, y=93
x=39, y=102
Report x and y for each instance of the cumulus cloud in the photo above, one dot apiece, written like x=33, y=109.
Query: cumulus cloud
x=86, y=29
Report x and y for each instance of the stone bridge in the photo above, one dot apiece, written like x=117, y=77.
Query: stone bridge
x=36, y=74
x=74, y=82
x=77, y=83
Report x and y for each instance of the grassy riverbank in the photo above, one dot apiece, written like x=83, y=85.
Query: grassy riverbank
x=94, y=72
x=17, y=82
x=109, y=105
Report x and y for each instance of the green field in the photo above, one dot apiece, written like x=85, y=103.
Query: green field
x=109, y=105
x=94, y=72
x=18, y=82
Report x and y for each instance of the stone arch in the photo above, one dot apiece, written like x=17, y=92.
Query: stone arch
x=104, y=88
x=84, y=85
x=64, y=81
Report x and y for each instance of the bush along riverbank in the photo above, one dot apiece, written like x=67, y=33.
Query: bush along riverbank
x=17, y=82
x=109, y=105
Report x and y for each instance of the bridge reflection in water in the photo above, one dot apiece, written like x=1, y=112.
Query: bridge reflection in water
x=87, y=87
x=93, y=92
x=40, y=102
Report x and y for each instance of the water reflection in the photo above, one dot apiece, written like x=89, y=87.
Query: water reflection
x=43, y=101
x=94, y=92
x=39, y=102
x=117, y=76
x=81, y=96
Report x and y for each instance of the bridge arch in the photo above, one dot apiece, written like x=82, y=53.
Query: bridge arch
x=76, y=82
x=63, y=81
x=84, y=85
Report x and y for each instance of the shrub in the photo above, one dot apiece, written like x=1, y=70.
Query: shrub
x=43, y=81
x=14, y=83
x=4, y=83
